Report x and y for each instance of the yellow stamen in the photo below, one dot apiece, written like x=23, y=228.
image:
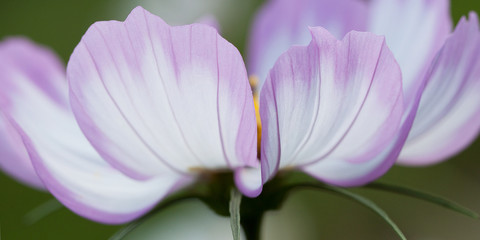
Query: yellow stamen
x=254, y=84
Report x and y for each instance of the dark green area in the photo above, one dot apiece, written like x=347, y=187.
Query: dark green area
x=60, y=24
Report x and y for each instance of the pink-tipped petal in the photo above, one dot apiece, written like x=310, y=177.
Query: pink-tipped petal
x=249, y=181
x=414, y=30
x=34, y=105
x=23, y=62
x=82, y=181
x=283, y=23
x=448, y=118
x=332, y=101
x=152, y=98
x=69, y=166
x=14, y=159
x=345, y=174
x=34, y=64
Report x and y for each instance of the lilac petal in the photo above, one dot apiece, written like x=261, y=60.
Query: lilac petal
x=34, y=104
x=90, y=187
x=33, y=63
x=23, y=62
x=332, y=101
x=249, y=181
x=283, y=23
x=343, y=173
x=448, y=118
x=14, y=158
x=153, y=98
x=414, y=30
x=69, y=166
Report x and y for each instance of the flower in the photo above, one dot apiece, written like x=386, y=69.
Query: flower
x=199, y=117
x=154, y=107
x=418, y=33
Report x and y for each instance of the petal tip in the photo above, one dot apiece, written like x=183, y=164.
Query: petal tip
x=249, y=181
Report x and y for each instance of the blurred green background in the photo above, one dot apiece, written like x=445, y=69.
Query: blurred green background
x=59, y=24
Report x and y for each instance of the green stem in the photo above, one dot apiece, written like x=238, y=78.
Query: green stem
x=353, y=196
x=42, y=211
x=431, y=198
x=252, y=226
x=234, y=209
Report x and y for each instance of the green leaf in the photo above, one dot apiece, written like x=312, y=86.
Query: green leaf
x=234, y=208
x=41, y=211
x=358, y=198
x=440, y=201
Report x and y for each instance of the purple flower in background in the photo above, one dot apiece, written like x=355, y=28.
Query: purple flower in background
x=448, y=119
x=153, y=107
x=440, y=66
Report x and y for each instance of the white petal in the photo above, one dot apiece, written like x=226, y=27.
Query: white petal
x=153, y=98
x=66, y=162
x=331, y=101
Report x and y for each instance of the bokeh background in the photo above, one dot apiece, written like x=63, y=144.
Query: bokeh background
x=59, y=24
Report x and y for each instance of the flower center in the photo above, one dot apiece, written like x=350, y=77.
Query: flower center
x=254, y=84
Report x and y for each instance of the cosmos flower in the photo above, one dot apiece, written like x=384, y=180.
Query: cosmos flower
x=436, y=64
x=152, y=108
x=158, y=115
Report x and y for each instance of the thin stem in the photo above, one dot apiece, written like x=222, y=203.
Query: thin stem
x=431, y=198
x=353, y=196
x=41, y=211
x=252, y=226
x=234, y=208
